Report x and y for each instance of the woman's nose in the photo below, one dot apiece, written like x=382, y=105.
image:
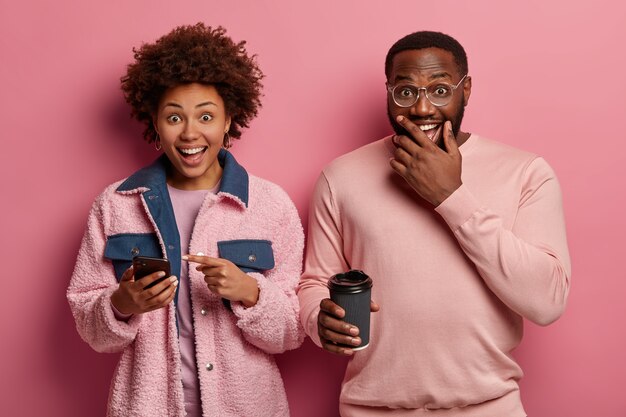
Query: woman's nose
x=190, y=131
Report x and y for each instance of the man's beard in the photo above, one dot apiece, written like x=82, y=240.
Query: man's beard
x=456, y=125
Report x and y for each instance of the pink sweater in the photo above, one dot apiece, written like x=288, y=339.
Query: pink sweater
x=237, y=373
x=453, y=283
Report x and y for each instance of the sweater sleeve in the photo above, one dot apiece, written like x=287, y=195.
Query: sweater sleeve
x=527, y=267
x=324, y=256
x=272, y=323
x=90, y=289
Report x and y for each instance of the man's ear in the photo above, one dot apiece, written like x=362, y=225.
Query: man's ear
x=467, y=90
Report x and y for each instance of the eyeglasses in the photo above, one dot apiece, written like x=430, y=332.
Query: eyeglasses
x=438, y=93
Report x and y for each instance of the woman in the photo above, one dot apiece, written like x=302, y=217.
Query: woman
x=201, y=344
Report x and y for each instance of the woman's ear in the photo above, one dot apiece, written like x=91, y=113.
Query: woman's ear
x=154, y=124
x=227, y=124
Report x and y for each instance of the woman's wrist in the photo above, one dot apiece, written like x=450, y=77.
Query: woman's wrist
x=252, y=295
x=117, y=307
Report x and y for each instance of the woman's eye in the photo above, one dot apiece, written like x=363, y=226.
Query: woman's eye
x=174, y=118
x=206, y=117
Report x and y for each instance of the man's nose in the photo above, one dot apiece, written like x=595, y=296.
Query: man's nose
x=423, y=106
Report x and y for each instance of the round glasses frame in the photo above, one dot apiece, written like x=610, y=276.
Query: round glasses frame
x=392, y=88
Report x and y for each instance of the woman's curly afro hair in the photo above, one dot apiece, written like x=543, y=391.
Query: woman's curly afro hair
x=194, y=54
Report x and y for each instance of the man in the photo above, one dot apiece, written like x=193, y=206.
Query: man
x=462, y=236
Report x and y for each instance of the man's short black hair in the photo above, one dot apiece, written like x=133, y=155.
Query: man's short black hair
x=427, y=39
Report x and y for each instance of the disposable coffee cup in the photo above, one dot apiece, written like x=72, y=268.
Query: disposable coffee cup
x=352, y=291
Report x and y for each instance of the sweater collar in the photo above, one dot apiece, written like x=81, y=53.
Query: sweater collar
x=234, y=181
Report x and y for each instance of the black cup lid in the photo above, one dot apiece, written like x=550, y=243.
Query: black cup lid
x=351, y=281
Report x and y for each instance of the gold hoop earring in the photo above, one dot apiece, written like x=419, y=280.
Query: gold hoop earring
x=227, y=143
x=157, y=143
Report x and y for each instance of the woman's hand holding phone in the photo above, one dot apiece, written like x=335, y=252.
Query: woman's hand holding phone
x=134, y=297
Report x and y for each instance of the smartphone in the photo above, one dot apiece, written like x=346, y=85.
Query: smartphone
x=145, y=265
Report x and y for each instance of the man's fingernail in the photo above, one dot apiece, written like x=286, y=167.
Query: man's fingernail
x=160, y=274
x=173, y=278
x=355, y=341
x=354, y=331
x=400, y=118
x=185, y=257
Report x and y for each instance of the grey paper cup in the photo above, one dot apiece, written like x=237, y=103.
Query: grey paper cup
x=352, y=291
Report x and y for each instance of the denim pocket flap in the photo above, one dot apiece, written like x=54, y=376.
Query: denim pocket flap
x=120, y=249
x=250, y=255
x=125, y=246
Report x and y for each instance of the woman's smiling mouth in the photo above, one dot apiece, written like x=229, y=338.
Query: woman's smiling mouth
x=192, y=156
x=191, y=151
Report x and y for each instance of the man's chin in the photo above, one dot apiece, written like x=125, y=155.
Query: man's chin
x=456, y=128
x=400, y=131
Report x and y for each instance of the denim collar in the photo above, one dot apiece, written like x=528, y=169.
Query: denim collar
x=234, y=181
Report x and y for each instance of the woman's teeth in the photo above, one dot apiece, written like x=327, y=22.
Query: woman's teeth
x=191, y=151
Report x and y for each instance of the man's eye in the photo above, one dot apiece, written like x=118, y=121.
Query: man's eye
x=407, y=92
x=174, y=118
x=441, y=91
x=206, y=117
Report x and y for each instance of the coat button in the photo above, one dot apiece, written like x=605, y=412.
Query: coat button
x=252, y=257
x=152, y=197
x=134, y=251
x=209, y=366
x=203, y=312
x=170, y=247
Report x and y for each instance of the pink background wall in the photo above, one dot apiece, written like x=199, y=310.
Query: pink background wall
x=548, y=76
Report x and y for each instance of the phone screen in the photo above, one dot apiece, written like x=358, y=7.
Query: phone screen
x=144, y=265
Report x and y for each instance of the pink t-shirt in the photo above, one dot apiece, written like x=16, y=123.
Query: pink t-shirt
x=186, y=206
x=453, y=283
